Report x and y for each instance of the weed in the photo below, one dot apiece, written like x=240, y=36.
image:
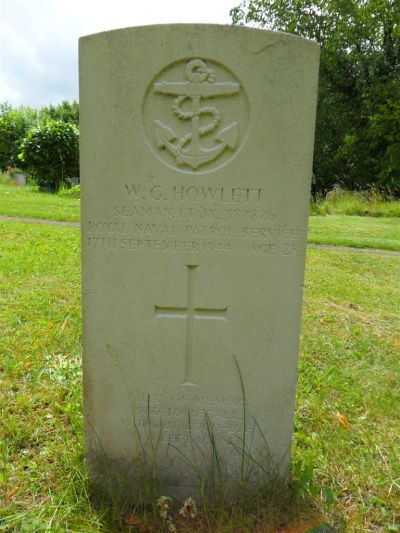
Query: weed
x=360, y=203
x=71, y=192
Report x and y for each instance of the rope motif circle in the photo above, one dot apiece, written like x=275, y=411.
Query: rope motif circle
x=188, y=115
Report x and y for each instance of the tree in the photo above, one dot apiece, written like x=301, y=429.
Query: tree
x=358, y=115
x=51, y=152
x=65, y=112
x=14, y=123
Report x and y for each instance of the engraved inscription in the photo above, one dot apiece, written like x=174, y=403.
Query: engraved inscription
x=194, y=219
x=190, y=313
x=192, y=193
x=192, y=213
x=195, y=115
x=167, y=415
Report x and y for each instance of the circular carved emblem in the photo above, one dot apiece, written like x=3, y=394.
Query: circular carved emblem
x=195, y=114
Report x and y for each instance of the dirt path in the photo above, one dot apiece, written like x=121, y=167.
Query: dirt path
x=340, y=248
x=318, y=246
x=40, y=221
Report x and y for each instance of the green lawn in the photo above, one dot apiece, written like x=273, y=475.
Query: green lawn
x=356, y=231
x=28, y=202
x=349, y=369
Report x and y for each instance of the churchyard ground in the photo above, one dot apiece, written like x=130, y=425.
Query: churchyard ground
x=381, y=231
x=346, y=465
x=28, y=202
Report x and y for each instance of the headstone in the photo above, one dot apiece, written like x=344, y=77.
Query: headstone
x=196, y=154
x=20, y=179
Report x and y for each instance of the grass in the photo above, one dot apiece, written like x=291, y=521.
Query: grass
x=358, y=203
x=346, y=449
x=28, y=202
x=357, y=219
x=348, y=368
x=355, y=231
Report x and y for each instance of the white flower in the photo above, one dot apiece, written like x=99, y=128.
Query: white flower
x=171, y=527
x=163, y=504
x=189, y=508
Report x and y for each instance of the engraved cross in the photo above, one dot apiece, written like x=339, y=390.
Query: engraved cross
x=190, y=313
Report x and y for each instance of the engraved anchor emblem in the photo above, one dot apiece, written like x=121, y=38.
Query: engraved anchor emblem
x=200, y=83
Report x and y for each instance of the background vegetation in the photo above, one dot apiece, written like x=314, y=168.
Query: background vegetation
x=43, y=142
x=51, y=152
x=357, y=143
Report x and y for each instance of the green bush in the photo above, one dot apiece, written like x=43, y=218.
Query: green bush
x=51, y=153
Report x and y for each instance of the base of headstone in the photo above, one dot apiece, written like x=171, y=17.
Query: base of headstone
x=140, y=479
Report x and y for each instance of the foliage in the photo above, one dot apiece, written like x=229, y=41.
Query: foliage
x=358, y=116
x=65, y=112
x=51, y=152
x=14, y=123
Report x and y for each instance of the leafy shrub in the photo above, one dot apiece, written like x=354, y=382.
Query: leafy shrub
x=51, y=152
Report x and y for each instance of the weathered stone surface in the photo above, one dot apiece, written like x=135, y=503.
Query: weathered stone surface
x=196, y=151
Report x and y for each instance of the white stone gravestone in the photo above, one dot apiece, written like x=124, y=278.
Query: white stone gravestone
x=196, y=154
